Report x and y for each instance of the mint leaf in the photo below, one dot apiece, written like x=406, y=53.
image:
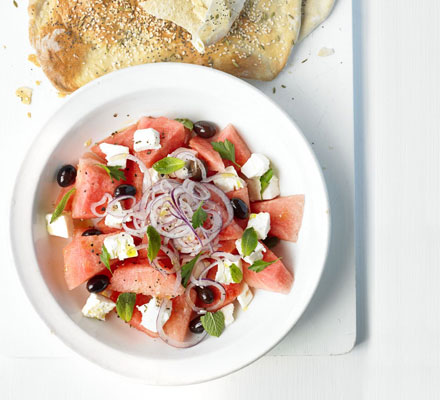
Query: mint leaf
x=236, y=273
x=125, y=305
x=114, y=172
x=199, y=217
x=214, y=323
x=168, y=165
x=187, y=123
x=187, y=269
x=61, y=205
x=249, y=241
x=154, y=242
x=105, y=258
x=226, y=150
x=261, y=265
x=265, y=179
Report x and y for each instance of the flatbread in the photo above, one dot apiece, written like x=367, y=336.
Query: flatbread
x=79, y=40
x=314, y=13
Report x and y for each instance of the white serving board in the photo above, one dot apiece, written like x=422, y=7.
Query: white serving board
x=318, y=94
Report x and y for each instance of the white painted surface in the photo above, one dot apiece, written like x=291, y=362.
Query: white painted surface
x=397, y=171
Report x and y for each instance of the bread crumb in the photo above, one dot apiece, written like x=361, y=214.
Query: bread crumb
x=62, y=95
x=325, y=52
x=25, y=94
x=38, y=83
x=29, y=115
x=34, y=60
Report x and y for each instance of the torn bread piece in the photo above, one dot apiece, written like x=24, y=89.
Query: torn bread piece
x=314, y=12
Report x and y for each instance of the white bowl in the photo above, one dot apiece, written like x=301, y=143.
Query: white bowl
x=172, y=90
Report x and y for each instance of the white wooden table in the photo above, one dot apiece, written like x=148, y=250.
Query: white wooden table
x=398, y=230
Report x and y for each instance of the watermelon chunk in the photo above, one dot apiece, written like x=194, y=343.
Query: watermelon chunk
x=92, y=182
x=172, y=136
x=81, y=259
x=274, y=278
x=232, y=232
x=177, y=325
x=123, y=138
x=242, y=194
x=136, y=319
x=242, y=152
x=228, y=246
x=143, y=278
x=285, y=215
x=206, y=152
x=61, y=194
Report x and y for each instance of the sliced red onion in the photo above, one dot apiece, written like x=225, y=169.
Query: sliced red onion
x=225, y=200
x=147, y=178
x=123, y=212
x=104, y=199
x=195, y=339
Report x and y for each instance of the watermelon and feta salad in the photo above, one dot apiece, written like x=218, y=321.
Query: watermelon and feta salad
x=170, y=225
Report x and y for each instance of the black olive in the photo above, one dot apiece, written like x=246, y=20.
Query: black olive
x=195, y=326
x=98, y=283
x=241, y=210
x=271, y=241
x=66, y=175
x=91, y=232
x=205, y=294
x=125, y=190
x=195, y=171
x=205, y=129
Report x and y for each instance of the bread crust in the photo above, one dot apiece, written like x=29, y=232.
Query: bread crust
x=79, y=40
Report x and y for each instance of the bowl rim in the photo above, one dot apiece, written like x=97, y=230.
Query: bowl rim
x=119, y=75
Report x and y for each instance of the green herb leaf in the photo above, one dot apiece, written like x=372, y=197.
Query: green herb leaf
x=61, y=205
x=236, y=273
x=249, y=241
x=265, y=179
x=187, y=269
x=168, y=165
x=271, y=241
x=105, y=258
x=199, y=217
x=226, y=150
x=154, y=242
x=125, y=305
x=261, y=265
x=214, y=323
x=187, y=123
x=114, y=172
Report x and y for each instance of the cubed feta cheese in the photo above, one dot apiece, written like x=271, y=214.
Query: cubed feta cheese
x=272, y=190
x=256, y=255
x=223, y=274
x=146, y=139
x=150, y=311
x=261, y=223
x=228, y=312
x=254, y=189
x=183, y=173
x=228, y=180
x=155, y=176
x=97, y=306
x=62, y=226
x=255, y=166
x=115, y=154
x=120, y=246
x=245, y=297
x=113, y=221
